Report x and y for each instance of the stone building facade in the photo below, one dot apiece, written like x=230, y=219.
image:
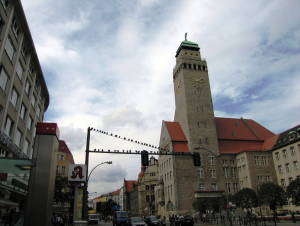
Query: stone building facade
x=220, y=142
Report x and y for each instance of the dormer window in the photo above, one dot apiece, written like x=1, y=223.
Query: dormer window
x=298, y=132
x=292, y=135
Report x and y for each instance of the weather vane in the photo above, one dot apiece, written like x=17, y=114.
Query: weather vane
x=185, y=36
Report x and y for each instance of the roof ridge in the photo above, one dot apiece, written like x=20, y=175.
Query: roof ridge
x=255, y=133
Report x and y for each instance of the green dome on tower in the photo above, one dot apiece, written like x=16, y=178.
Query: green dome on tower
x=187, y=45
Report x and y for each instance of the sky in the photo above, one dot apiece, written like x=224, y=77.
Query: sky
x=109, y=65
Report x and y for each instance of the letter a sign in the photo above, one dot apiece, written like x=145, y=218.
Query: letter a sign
x=77, y=173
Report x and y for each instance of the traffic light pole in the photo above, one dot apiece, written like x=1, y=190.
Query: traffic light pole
x=84, y=201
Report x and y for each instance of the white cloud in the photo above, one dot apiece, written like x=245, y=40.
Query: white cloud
x=109, y=65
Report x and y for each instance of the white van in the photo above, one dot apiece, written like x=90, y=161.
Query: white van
x=93, y=218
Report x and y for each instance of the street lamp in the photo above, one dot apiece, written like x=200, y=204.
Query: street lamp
x=109, y=162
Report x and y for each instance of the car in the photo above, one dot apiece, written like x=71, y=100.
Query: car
x=154, y=221
x=184, y=221
x=93, y=218
x=137, y=221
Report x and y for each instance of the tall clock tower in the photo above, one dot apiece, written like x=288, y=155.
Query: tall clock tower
x=194, y=107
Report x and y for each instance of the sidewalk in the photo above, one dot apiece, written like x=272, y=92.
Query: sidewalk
x=281, y=223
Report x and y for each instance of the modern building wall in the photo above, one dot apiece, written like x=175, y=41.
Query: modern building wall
x=24, y=96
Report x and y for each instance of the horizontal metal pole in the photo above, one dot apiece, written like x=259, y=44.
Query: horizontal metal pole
x=139, y=152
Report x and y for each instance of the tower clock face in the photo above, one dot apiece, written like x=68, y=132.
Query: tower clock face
x=197, y=81
x=178, y=86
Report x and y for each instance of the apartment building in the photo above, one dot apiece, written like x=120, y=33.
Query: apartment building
x=24, y=98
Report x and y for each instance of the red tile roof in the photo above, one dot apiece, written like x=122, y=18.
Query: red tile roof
x=226, y=127
x=269, y=143
x=180, y=146
x=175, y=131
x=236, y=146
x=129, y=185
x=63, y=147
x=115, y=192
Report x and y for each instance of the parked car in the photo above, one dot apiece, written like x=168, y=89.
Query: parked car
x=154, y=221
x=184, y=221
x=137, y=221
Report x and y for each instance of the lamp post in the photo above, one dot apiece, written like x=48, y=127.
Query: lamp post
x=109, y=162
x=226, y=192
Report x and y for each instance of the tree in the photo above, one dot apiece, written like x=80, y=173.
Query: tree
x=223, y=201
x=272, y=195
x=293, y=191
x=246, y=199
x=62, y=191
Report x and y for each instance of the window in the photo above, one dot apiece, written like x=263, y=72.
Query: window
x=10, y=49
x=18, y=137
x=214, y=186
x=234, y=172
x=63, y=170
x=201, y=187
x=226, y=172
x=201, y=173
x=24, y=51
x=15, y=27
x=62, y=157
x=293, y=151
x=259, y=178
x=211, y=160
x=290, y=179
x=147, y=198
x=284, y=152
x=277, y=155
x=280, y=169
x=256, y=160
x=23, y=112
x=5, y=4
x=212, y=173
x=240, y=168
x=264, y=160
x=147, y=187
x=243, y=159
x=228, y=187
x=283, y=183
x=296, y=166
x=27, y=87
x=224, y=161
x=171, y=190
x=244, y=167
x=31, y=70
x=29, y=123
x=20, y=70
x=57, y=169
x=232, y=162
x=14, y=97
x=268, y=178
x=57, y=156
x=170, y=175
x=3, y=79
x=37, y=85
x=152, y=187
x=288, y=168
x=33, y=100
x=152, y=198
x=38, y=111
x=8, y=126
x=246, y=178
x=235, y=187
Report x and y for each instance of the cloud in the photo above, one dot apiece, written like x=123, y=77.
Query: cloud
x=74, y=137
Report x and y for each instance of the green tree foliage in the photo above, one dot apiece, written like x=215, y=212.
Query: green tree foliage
x=293, y=191
x=223, y=201
x=246, y=199
x=272, y=195
x=62, y=191
x=105, y=208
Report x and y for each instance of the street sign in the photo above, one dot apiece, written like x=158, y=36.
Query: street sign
x=116, y=207
x=77, y=173
x=228, y=206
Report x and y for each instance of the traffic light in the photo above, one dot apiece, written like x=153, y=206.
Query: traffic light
x=196, y=157
x=144, y=155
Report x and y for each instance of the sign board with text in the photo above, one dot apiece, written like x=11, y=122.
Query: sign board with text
x=77, y=173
